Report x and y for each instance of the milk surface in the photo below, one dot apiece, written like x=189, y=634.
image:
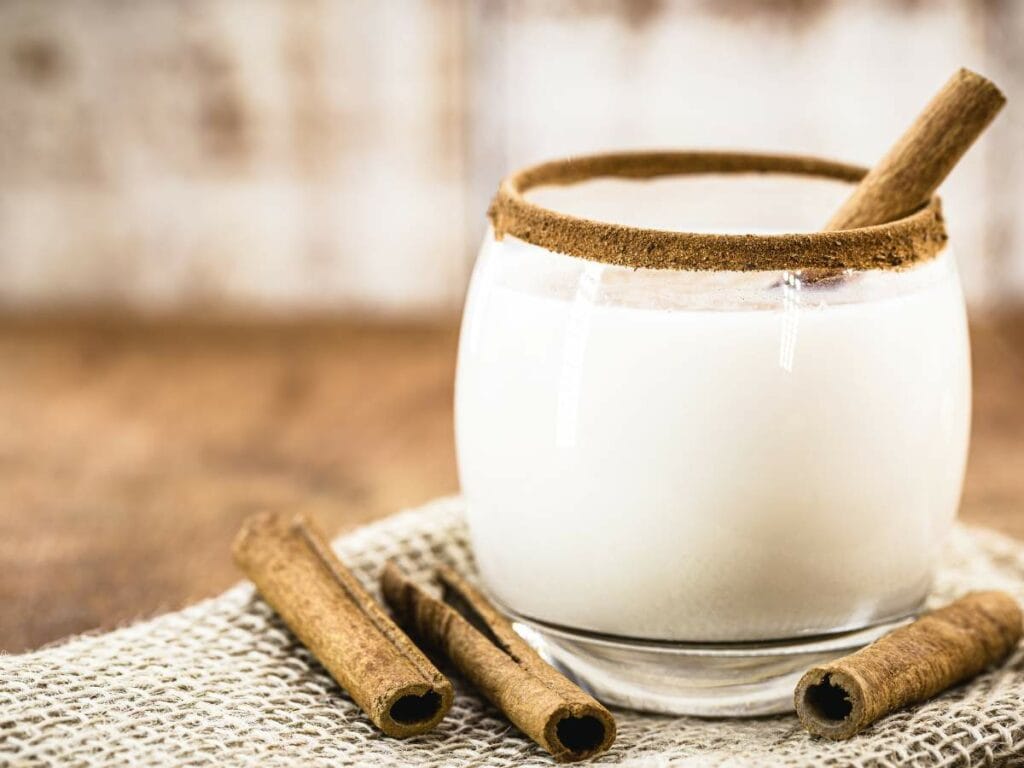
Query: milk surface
x=709, y=456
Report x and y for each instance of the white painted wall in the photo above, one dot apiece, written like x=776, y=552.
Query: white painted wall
x=268, y=155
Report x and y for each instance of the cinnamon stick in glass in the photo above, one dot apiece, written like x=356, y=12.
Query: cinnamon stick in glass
x=914, y=167
x=920, y=660
x=481, y=643
x=297, y=572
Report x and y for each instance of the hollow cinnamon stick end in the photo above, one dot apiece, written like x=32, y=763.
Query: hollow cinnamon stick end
x=909, y=665
x=579, y=732
x=414, y=709
x=830, y=703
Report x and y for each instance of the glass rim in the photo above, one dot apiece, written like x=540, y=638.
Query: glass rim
x=898, y=244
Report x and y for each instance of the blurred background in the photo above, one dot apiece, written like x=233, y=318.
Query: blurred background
x=235, y=236
x=269, y=156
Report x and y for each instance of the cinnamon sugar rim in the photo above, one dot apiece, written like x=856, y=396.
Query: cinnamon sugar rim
x=898, y=244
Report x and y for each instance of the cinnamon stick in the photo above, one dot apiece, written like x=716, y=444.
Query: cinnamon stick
x=914, y=167
x=905, y=178
x=297, y=572
x=948, y=646
x=541, y=702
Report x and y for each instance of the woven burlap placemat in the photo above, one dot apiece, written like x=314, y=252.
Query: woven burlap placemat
x=224, y=683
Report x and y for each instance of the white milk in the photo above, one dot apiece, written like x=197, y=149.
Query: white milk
x=706, y=457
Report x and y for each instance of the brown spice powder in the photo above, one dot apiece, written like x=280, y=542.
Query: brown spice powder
x=895, y=245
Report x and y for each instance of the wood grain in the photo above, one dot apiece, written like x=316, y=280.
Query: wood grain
x=130, y=454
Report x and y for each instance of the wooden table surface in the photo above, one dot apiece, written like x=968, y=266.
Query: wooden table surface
x=130, y=452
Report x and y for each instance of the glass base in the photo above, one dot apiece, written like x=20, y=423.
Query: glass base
x=708, y=680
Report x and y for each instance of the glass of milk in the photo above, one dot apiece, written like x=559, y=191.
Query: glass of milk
x=687, y=485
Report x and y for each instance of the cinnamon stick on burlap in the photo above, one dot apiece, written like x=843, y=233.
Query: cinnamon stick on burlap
x=541, y=702
x=297, y=572
x=913, y=663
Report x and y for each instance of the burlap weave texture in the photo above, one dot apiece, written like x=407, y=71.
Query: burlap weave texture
x=223, y=683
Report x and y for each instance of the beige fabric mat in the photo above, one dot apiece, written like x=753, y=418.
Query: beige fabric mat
x=222, y=682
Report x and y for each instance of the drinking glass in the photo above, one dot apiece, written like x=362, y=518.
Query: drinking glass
x=704, y=446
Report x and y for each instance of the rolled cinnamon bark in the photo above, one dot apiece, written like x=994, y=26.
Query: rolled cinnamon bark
x=297, y=572
x=541, y=702
x=905, y=178
x=914, y=167
x=913, y=663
